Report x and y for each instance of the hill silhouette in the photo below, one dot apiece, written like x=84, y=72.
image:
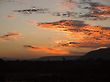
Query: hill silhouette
x=102, y=54
x=56, y=58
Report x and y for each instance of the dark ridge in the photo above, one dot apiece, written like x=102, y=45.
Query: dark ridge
x=1, y=60
x=56, y=58
x=102, y=54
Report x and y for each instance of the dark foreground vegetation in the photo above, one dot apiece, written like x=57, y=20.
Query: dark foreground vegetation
x=89, y=68
x=56, y=71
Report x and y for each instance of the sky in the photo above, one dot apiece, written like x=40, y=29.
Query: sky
x=37, y=28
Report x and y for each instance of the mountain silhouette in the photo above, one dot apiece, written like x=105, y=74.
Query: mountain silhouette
x=103, y=54
x=1, y=60
x=56, y=58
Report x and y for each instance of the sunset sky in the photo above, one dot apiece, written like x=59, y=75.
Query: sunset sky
x=38, y=28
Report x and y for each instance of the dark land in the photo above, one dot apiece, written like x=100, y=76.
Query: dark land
x=87, y=68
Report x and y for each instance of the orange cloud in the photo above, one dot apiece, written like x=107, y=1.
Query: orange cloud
x=10, y=36
x=104, y=11
x=47, y=50
x=63, y=24
x=103, y=8
x=84, y=35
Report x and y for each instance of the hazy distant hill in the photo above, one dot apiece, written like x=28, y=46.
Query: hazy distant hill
x=103, y=53
x=56, y=58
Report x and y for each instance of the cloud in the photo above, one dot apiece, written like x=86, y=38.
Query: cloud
x=88, y=9
x=64, y=14
x=96, y=11
x=101, y=48
x=10, y=36
x=63, y=24
x=47, y=50
x=11, y=16
x=33, y=10
x=84, y=35
x=104, y=11
x=103, y=8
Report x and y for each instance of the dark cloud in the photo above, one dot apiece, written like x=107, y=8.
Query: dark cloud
x=33, y=10
x=10, y=36
x=63, y=24
x=88, y=9
x=96, y=10
x=46, y=49
x=64, y=14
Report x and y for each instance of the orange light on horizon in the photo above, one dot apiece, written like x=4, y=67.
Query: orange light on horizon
x=47, y=50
